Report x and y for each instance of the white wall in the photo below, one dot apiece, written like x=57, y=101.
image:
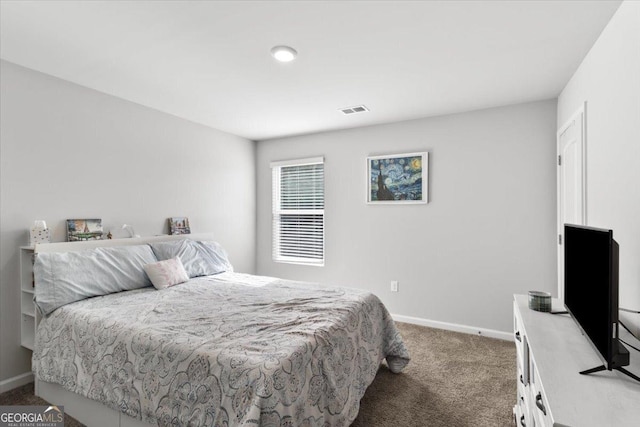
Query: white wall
x=487, y=232
x=609, y=81
x=71, y=152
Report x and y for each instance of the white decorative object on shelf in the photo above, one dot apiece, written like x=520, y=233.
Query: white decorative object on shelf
x=39, y=233
x=130, y=230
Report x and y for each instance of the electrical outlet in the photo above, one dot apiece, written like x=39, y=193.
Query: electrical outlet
x=394, y=286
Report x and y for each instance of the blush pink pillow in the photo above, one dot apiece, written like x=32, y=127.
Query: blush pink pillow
x=166, y=273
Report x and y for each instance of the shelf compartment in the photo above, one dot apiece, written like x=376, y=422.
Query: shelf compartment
x=26, y=304
x=28, y=331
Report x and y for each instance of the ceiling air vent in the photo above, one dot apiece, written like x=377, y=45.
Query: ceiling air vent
x=352, y=110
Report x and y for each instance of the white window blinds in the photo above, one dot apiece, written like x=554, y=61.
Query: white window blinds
x=298, y=211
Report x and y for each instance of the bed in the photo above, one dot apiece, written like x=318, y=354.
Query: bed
x=219, y=350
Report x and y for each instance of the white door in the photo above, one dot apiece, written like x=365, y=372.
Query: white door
x=571, y=182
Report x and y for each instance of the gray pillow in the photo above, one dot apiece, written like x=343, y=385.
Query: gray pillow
x=198, y=258
x=65, y=277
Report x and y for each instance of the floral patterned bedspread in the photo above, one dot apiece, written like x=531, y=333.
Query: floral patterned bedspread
x=224, y=350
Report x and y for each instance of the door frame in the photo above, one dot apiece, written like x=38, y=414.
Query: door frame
x=581, y=115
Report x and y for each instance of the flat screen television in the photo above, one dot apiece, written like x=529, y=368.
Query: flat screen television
x=591, y=291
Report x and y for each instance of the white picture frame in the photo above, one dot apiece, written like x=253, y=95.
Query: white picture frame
x=398, y=179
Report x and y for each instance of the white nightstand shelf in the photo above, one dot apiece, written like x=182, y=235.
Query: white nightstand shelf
x=27, y=308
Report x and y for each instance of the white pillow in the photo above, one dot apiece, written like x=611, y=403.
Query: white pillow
x=166, y=273
x=198, y=258
x=66, y=277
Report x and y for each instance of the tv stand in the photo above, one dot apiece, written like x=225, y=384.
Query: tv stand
x=604, y=368
x=632, y=375
x=550, y=353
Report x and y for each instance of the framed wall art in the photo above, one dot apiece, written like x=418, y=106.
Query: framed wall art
x=179, y=225
x=398, y=178
x=84, y=229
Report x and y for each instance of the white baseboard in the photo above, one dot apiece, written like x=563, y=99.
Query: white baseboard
x=15, y=382
x=508, y=336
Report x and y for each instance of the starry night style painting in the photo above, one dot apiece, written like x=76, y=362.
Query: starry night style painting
x=397, y=179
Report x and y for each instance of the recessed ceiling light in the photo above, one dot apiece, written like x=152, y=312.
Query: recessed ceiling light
x=284, y=53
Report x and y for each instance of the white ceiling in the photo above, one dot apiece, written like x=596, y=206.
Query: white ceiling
x=209, y=62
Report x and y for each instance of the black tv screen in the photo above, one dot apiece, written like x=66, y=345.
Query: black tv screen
x=591, y=286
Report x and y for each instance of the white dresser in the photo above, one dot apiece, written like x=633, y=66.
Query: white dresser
x=551, y=351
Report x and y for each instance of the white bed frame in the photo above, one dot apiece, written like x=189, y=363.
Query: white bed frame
x=87, y=411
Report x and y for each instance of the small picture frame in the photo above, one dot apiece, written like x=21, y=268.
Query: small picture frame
x=398, y=178
x=179, y=225
x=84, y=229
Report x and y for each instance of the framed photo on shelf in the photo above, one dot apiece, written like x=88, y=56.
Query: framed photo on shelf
x=84, y=229
x=179, y=225
x=398, y=178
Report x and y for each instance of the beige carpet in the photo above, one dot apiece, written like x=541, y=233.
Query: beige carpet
x=453, y=380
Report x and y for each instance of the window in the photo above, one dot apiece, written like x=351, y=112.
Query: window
x=298, y=211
